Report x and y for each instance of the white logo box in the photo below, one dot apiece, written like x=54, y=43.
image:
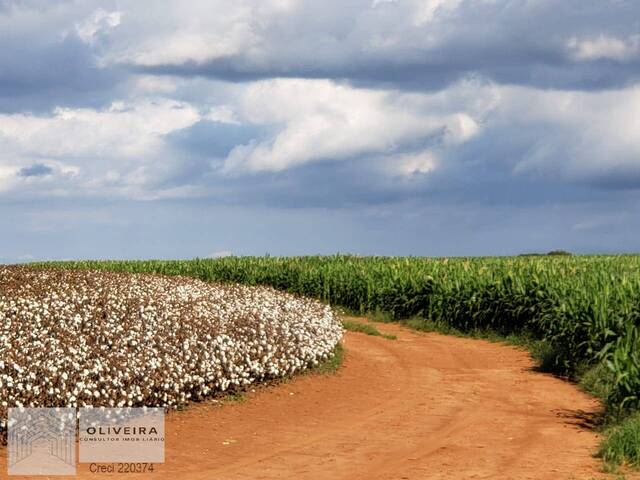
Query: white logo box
x=41, y=441
x=120, y=435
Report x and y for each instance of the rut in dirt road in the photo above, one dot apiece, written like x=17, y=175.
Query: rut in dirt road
x=424, y=406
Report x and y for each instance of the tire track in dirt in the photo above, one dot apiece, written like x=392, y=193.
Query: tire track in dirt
x=423, y=406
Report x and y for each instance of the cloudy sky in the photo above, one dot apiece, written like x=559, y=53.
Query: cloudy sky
x=176, y=129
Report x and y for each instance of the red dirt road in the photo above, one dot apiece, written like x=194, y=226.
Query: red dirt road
x=425, y=406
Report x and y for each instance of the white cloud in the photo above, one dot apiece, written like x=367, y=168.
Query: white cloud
x=585, y=135
x=153, y=84
x=121, y=146
x=605, y=47
x=100, y=21
x=412, y=164
x=377, y=3
x=427, y=10
x=322, y=120
x=126, y=129
x=184, y=46
x=222, y=114
x=200, y=32
x=122, y=150
x=461, y=127
x=8, y=177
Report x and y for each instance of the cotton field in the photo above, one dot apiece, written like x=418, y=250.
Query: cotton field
x=77, y=338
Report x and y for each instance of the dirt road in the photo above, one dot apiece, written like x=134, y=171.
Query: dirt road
x=424, y=406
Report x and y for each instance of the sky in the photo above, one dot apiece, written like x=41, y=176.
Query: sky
x=173, y=129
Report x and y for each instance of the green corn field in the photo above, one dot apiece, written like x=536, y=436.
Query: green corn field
x=586, y=307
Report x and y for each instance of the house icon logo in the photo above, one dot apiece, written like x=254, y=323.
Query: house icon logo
x=41, y=441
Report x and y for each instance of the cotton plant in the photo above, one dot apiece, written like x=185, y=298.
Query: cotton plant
x=87, y=338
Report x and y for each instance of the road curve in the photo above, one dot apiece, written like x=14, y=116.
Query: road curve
x=424, y=406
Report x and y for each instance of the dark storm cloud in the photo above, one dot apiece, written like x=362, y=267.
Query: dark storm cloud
x=35, y=170
x=624, y=178
x=519, y=65
x=47, y=76
x=43, y=62
x=353, y=184
x=519, y=42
